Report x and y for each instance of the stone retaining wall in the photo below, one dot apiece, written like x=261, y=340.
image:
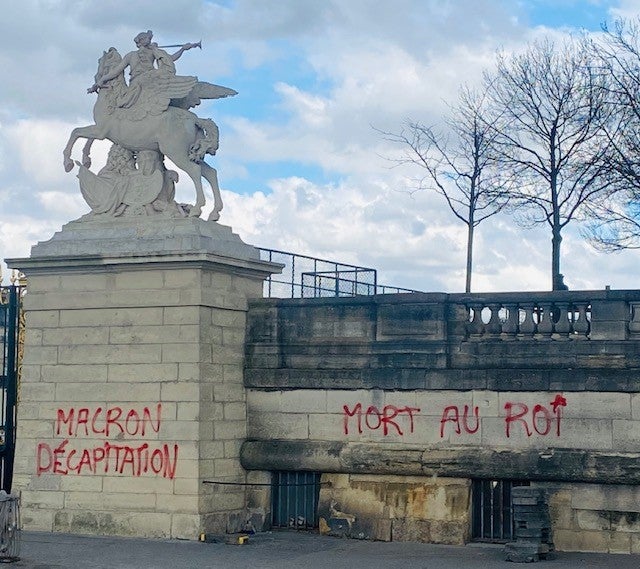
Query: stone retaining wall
x=402, y=401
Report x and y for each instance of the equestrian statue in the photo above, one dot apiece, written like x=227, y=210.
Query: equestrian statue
x=146, y=120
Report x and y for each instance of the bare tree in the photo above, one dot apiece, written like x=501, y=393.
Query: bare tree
x=458, y=164
x=616, y=217
x=551, y=138
x=615, y=224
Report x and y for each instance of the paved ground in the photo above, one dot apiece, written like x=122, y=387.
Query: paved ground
x=281, y=550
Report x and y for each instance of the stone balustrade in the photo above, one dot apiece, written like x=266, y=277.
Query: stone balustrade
x=561, y=315
x=529, y=319
x=530, y=340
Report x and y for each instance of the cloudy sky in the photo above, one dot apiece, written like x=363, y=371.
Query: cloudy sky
x=301, y=164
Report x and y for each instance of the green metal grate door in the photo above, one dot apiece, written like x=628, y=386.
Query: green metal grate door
x=492, y=511
x=294, y=499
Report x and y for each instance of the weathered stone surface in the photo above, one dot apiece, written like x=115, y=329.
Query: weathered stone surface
x=291, y=455
x=410, y=320
x=548, y=409
x=376, y=458
x=411, y=530
x=115, y=236
x=397, y=508
x=525, y=551
x=620, y=498
x=422, y=343
x=592, y=541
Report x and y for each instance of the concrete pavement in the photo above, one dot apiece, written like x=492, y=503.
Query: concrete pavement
x=281, y=550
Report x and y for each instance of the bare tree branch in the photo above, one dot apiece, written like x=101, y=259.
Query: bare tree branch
x=554, y=108
x=458, y=159
x=615, y=218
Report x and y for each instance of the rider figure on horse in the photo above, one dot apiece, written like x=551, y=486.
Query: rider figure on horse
x=143, y=72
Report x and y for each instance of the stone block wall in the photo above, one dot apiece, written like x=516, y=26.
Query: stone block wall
x=132, y=396
x=449, y=419
x=132, y=392
x=398, y=465
x=595, y=517
x=395, y=508
x=139, y=387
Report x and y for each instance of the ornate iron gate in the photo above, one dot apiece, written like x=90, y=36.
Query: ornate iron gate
x=294, y=499
x=10, y=341
x=492, y=510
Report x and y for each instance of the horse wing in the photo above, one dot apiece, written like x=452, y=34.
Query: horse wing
x=202, y=90
x=155, y=93
x=173, y=86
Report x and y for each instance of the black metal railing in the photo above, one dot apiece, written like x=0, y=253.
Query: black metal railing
x=310, y=277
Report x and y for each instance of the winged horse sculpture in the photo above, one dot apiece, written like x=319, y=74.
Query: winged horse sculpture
x=151, y=114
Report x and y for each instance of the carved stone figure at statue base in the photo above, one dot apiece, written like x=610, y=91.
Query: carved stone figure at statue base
x=147, y=120
x=121, y=189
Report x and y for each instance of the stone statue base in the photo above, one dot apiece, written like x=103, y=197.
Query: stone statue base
x=133, y=237
x=132, y=388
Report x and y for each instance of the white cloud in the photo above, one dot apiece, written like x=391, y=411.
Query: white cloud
x=626, y=9
x=34, y=141
x=63, y=204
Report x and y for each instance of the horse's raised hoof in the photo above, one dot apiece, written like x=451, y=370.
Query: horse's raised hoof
x=68, y=164
x=86, y=162
x=195, y=211
x=214, y=216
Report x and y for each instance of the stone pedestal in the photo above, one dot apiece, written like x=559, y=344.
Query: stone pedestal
x=132, y=388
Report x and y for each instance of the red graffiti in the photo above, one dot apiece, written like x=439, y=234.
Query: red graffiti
x=558, y=402
x=539, y=420
x=107, y=458
x=108, y=421
x=134, y=459
x=451, y=414
x=373, y=418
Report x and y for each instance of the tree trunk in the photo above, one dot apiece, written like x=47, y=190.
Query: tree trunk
x=470, y=229
x=556, y=277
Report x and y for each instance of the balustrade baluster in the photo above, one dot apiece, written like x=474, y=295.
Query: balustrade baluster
x=562, y=326
x=545, y=322
x=528, y=324
x=510, y=326
x=634, y=324
x=494, y=326
x=538, y=319
x=475, y=326
x=581, y=326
